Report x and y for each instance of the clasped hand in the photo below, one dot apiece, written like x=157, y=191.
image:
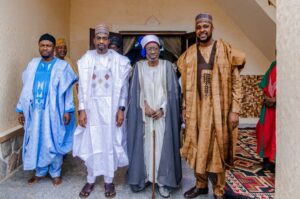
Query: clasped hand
x=152, y=113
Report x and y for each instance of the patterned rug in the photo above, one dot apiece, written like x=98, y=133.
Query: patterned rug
x=247, y=179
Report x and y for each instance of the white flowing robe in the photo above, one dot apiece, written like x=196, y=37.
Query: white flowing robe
x=45, y=135
x=103, y=87
x=154, y=92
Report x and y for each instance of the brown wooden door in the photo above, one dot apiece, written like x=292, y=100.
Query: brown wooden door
x=187, y=40
x=92, y=35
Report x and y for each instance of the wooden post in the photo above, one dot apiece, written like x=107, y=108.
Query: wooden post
x=153, y=167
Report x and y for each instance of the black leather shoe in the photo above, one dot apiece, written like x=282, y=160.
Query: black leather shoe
x=194, y=192
x=136, y=188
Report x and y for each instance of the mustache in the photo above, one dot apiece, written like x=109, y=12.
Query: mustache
x=46, y=56
x=205, y=40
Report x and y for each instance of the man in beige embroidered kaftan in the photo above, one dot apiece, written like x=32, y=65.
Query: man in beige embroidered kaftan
x=211, y=85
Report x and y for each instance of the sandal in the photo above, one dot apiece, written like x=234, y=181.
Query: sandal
x=110, y=190
x=35, y=179
x=57, y=181
x=86, y=190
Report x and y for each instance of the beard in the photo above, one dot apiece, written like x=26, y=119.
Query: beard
x=102, y=48
x=208, y=38
x=46, y=56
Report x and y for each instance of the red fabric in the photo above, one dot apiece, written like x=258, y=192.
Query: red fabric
x=267, y=132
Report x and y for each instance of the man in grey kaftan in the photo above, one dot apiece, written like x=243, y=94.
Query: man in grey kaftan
x=154, y=106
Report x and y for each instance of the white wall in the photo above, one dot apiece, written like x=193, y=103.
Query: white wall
x=255, y=23
x=21, y=24
x=270, y=10
x=170, y=15
x=288, y=100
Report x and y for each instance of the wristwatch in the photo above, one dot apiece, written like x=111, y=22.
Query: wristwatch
x=122, y=108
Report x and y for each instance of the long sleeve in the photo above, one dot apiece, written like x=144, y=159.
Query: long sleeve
x=165, y=101
x=80, y=96
x=236, y=91
x=19, y=108
x=83, y=83
x=125, y=87
x=182, y=69
x=69, y=101
x=238, y=60
x=164, y=105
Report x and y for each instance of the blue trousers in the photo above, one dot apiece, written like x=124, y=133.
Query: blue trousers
x=54, y=168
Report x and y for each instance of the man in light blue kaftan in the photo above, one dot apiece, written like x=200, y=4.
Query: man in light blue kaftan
x=46, y=109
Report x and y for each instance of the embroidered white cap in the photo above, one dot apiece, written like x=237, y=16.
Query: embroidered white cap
x=149, y=39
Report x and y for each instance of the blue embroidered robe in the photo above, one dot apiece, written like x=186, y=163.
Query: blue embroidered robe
x=45, y=97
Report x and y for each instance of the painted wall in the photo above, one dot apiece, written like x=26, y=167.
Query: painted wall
x=158, y=15
x=269, y=9
x=255, y=22
x=288, y=100
x=21, y=24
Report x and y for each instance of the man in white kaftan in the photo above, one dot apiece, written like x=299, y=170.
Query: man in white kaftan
x=103, y=89
x=153, y=82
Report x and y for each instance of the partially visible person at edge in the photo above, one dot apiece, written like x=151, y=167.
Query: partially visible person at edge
x=266, y=126
x=46, y=110
x=61, y=52
x=115, y=44
x=211, y=84
x=154, y=107
x=100, y=137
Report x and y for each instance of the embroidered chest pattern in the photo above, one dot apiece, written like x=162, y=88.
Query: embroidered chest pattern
x=207, y=82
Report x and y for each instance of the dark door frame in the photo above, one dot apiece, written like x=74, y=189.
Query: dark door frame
x=186, y=38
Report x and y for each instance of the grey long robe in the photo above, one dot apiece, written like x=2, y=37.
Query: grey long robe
x=169, y=172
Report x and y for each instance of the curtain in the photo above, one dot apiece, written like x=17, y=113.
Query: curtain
x=128, y=43
x=173, y=45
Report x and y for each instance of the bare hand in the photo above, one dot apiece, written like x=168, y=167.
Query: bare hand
x=82, y=118
x=270, y=101
x=21, y=119
x=120, y=118
x=234, y=119
x=148, y=110
x=157, y=114
x=67, y=118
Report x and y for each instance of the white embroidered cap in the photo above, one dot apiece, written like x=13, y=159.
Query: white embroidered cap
x=149, y=39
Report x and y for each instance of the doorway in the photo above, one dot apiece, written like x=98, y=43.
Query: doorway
x=174, y=43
